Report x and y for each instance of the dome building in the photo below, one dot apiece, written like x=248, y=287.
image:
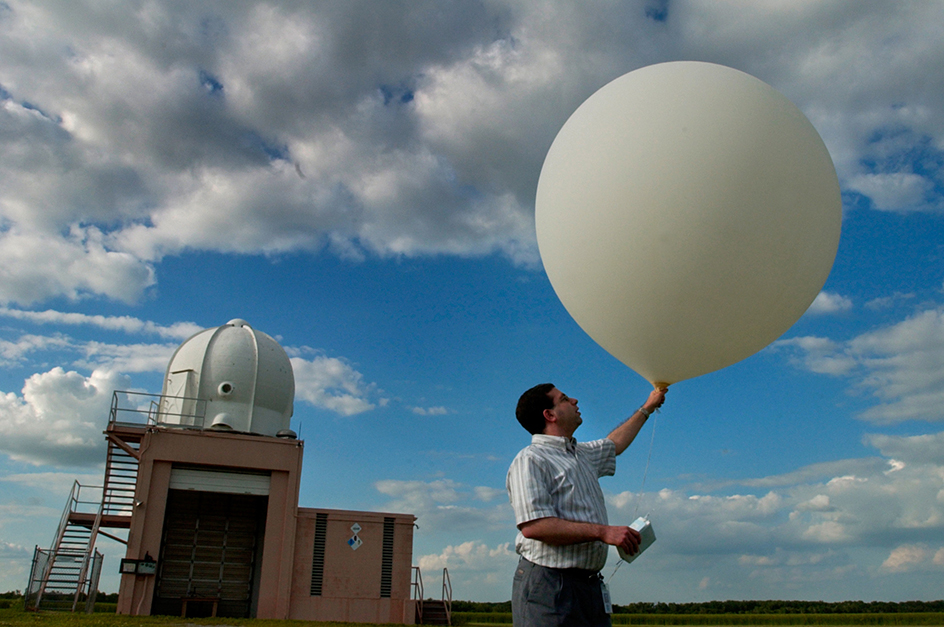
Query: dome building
x=205, y=478
x=243, y=375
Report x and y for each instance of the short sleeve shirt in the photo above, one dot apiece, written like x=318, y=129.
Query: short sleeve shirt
x=559, y=477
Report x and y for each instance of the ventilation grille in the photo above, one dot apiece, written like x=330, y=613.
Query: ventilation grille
x=318, y=553
x=386, y=564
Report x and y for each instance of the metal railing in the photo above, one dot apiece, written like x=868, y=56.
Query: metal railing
x=417, y=587
x=447, y=595
x=31, y=596
x=78, y=550
x=141, y=408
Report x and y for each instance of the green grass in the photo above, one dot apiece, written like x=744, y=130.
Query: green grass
x=16, y=617
x=496, y=619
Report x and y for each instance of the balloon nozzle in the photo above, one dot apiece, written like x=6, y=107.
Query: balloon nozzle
x=660, y=385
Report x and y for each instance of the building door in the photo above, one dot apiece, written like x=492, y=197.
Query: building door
x=209, y=554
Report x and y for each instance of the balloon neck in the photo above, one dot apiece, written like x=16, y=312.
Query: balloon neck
x=659, y=385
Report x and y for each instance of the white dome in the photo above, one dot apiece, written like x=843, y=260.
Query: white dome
x=243, y=376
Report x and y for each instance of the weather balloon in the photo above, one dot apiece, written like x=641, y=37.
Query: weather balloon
x=687, y=215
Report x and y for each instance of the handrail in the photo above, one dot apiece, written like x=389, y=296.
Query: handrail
x=417, y=587
x=73, y=504
x=447, y=595
x=157, y=409
x=60, y=531
x=87, y=559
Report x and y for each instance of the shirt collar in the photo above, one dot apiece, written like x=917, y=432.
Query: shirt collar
x=555, y=441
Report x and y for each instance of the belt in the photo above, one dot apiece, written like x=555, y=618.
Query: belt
x=572, y=573
x=580, y=573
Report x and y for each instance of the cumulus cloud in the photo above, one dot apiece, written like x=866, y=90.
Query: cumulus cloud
x=829, y=303
x=817, y=533
x=901, y=365
x=895, y=191
x=905, y=557
x=333, y=384
x=850, y=520
x=471, y=556
x=447, y=505
x=814, y=512
x=59, y=418
x=410, y=129
x=10, y=551
x=42, y=266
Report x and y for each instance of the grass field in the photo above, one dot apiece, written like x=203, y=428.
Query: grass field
x=15, y=617
x=497, y=619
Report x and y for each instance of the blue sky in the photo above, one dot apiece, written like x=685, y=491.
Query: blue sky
x=357, y=180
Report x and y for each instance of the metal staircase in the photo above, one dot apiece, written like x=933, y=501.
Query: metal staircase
x=432, y=611
x=68, y=571
x=121, y=473
x=65, y=574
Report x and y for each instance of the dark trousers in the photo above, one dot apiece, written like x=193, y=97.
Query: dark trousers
x=545, y=597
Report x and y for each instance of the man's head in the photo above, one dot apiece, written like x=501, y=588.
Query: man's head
x=545, y=409
x=531, y=406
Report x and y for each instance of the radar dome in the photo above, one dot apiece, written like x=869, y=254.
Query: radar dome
x=242, y=375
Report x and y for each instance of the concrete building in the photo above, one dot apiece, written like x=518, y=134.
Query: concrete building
x=205, y=478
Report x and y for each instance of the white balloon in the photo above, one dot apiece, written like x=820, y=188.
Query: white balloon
x=687, y=215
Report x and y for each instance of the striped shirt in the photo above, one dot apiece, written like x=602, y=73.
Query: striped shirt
x=559, y=477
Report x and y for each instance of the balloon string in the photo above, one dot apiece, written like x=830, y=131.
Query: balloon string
x=641, y=489
x=646, y=471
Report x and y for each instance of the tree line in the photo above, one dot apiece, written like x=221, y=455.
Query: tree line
x=742, y=607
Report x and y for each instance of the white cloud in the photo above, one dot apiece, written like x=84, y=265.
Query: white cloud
x=41, y=266
x=91, y=355
x=125, y=324
x=829, y=303
x=447, y=505
x=938, y=559
x=473, y=555
x=484, y=493
x=10, y=551
x=895, y=191
x=60, y=417
x=828, y=531
x=16, y=350
x=820, y=355
x=885, y=302
x=54, y=483
x=901, y=365
x=430, y=411
x=810, y=511
x=126, y=357
x=829, y=522
x=332, y=384
x=403, y=130
x=905, y=557
x=910, y=450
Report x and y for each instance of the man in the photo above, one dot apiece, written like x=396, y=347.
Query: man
x=563, y=533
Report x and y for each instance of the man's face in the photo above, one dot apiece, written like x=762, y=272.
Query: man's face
x=565, y=410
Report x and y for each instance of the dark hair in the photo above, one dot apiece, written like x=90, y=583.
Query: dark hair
x=531, y=406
